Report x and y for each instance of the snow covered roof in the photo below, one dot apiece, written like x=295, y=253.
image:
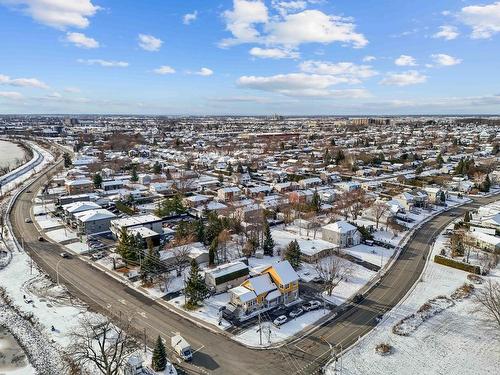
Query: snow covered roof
x=80, y=206
x=285, y=272
x=94, y=215
x=243, y=293
x=273, y=295
x=340, y=226
x=260, y=284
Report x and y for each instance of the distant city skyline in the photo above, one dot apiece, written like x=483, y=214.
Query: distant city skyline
x=250, y=57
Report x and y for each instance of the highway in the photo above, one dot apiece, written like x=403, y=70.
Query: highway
x=215, y=353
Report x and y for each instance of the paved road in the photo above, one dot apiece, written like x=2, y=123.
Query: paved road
x=216, y=354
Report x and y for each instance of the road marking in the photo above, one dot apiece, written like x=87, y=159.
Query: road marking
x=197, y=350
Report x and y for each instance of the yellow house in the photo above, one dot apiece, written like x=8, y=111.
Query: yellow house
x=256, y=293
x=275, y=285
x=286, y=279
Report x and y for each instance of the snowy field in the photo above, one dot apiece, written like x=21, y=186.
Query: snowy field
x=47, y=222
x=60, y=235
x=455, y=341
x=273, y=335
x=372, y=254
x=209, y=312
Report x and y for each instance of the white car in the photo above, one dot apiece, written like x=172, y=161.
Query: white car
x=311, y=305
x=280, y=320
x=295, y=313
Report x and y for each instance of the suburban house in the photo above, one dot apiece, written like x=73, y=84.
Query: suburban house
x=277, y=284
x=150, y=221
x=79, y=186
x=94, y=221
x=342, y=234
x=301, y=196
x=228, y=194
x=287, y=280
x=436, y=195
x=71, y=209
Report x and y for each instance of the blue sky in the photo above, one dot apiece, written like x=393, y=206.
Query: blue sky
x=250, y=57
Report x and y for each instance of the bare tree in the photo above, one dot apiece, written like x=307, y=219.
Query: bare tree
x=379, y=209
x=181, y=258
x=98, y=343
x=332, y=270
x=357, y=201
x=488, y=300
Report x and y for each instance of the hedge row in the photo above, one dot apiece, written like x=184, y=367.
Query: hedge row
x=457, y=264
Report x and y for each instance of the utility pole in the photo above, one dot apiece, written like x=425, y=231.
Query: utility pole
x=260, y=331
x=145, y=346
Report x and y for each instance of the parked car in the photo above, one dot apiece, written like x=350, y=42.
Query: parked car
x=311, y=305
x=358, y=298
x=295, y=313
x=379, y=317
x=280, y=320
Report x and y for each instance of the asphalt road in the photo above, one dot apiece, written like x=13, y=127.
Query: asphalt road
x=215, y=353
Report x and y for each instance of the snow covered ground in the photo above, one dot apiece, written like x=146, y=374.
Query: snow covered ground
x=372, y=254
x=455, y=341
x=272, y=334
x=60, y=235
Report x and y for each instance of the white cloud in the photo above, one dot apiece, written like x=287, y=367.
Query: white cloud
x=411, y=77
x=405, y=60
x=12, y=95
x=445, y=60
x=105, y=63
x=351, y=72
x=204, y=72
x=81, y=40
x=164, y=69
x=369, y=58
x=313, y=26
x=274, y=53
x=447, y=32
x=72, y=90
x=484, y=19
x=285, y=7
x=59, y=14
x=22, y=82
x=249, y=22
x=242, y=19
x=190, y=17
x=149, y=42
x=299, y=84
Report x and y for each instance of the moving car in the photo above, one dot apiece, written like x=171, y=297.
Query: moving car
x=28, y=220
x=41, y=239
x=311, y=305
x=280, y=320
x=358, y=298
x=64, y=255
x=295, y=313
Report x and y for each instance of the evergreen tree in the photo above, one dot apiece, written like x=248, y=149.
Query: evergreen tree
x=221, y=178
x=239, y=168
x=332, y=141
x=316, y=201
x=439, y=160
x=486, y=184
x=293, y=254
x=268, y=244
x=229, y=168
x=196, y=289
x=156, y=167
x=212, y=251
x=151, y=262
x=133, y=174
x=67, y=160
x=159, y=359
x=200, y=231
x=97, y=179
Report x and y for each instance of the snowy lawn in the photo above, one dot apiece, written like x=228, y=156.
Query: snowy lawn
x=372, y=254
x=348, y=288
x=456, y=341
x=308, y=245
x=272, y=334
x=60, y=235
x=47, y=222
x=78, y=247
x=209, y=312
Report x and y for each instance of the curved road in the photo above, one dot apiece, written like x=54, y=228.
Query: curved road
x=216, y=354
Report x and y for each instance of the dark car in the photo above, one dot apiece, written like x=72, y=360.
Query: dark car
x=41, y=239
x=358, y=298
